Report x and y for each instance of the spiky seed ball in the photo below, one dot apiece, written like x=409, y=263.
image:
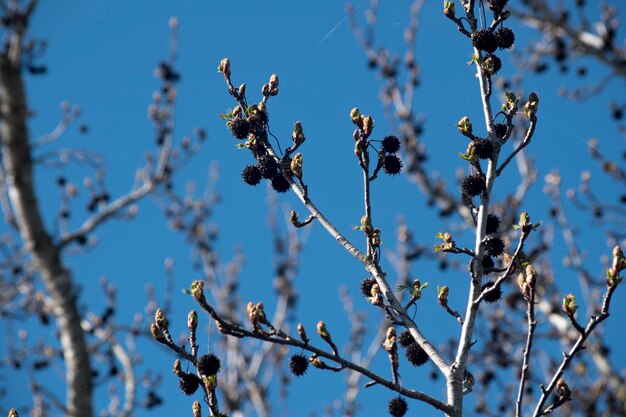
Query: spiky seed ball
x=487, y=264
x=392, y=165
x=208, y=364
x=366, y=286
x=493, y=63
x=483, y=148
x=280, y=184
x=239, y=127
x=495, y=293
x=406, y=339
x=391, y=144
x=416, y=355
x=500, y=129
x=268, y=166
x=473, y=185
x=298, y=364
x=484, y=40
x=494, y=246
x=397, y=407
x=505, y=37
x=251, y=175
x=189, y=383
x=493, y=224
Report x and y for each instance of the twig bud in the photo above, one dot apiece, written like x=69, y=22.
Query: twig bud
x=197, y=290
x=157, y=334
x=178, y=369
x=224, y=67
x=192, y=321
x=160, y=320
x=562, y=390
x=302, y=333
x=569, y=306
x=465, y=126
x=197, y=409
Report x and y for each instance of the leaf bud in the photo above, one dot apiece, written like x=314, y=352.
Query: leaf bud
x=160, y=320
x=178, y=369
x=224, y=67
x=302, y=333
x=197, y=290
x=465, y=125
x=569, y=306
x=197, y=409
x=192, y=321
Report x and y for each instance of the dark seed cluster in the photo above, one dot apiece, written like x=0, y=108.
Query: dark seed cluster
x=406, y=339
x=189, y=383
x=239, y=127
x=392, y=165
x=505, y=38
x=494, y=246
x=268, y=166
x=251, y=175
x=416, y=355
x=495, y=293
x=493, y=64
x=485, y=40
x=484, y=148
x=500, y=129
x=366, y=286
x=208, y=364
x=397, y=407
x=298, y=364
x=493, y=224
x=473, y=185
x=280, y=184
x=391, y=144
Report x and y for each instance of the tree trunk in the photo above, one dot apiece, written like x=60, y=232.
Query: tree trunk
x=18, y=167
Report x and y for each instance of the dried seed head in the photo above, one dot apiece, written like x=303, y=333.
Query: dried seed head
x=298, y=364
x=397, y=407
x=208, y=364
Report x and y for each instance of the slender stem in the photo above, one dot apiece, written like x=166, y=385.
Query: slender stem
x=532, y=324
x=525, y=142
x=569, y=356
x=232, y=329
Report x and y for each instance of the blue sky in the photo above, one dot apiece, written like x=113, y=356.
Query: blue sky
x=101, y=56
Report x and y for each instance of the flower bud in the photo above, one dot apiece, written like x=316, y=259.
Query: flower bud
x=178, y=369
x=197, y=409
x=302, y=333
x=465, y=126
x=265, y=90
x=390, y=340
x=157, y=334
x=224, y=67
x=442, y=295
x=323, y=333
x=569, y=306
x=562, y=389
x=355, y=116
x=242, y=90
x=192, y=321
x=296, y=165
x=197, y=290
x=160, y=320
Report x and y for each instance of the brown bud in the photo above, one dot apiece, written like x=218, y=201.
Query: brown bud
x=197, y=409
x=192, y=321
x=569, y=306
x=13, y=412
x=160, y=320
x=157, y=334
x=323, y=332
x=562, y=389
x=302, y=333
x=178, y=369
x=224, y=67
x=197, y=290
